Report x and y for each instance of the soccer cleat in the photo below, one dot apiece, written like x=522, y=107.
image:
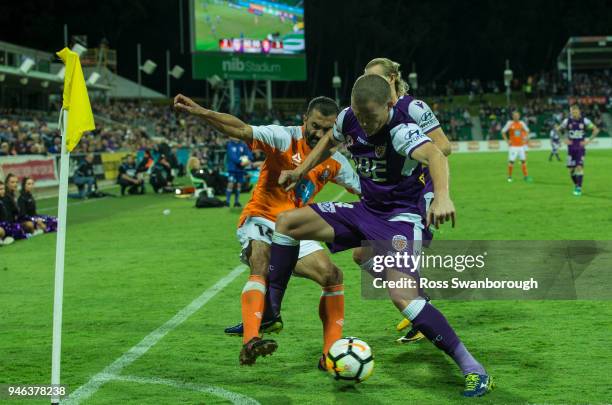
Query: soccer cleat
x=404, y=323
x=254, y=348
x=476, y=385
x=578, y=191
x=509, y=179
x=272, y=326
x=412, y=336
x=322, y=364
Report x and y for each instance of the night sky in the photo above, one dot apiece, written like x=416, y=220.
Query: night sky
x=446, y=39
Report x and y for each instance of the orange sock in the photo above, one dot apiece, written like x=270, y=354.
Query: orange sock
x=331, y=312
x=510, y=166
x=524, y=168
x=252, y=300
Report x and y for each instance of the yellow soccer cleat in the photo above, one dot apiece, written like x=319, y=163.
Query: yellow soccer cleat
x=404, y=323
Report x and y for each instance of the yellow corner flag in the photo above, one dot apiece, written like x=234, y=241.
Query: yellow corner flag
x=76, y=100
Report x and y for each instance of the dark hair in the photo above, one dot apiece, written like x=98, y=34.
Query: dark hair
x=371, y=88
x=325, y=105
x=23, y=183
x=8, y=177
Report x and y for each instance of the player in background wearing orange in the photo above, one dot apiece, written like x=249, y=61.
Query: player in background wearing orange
x=285, y=149
x=516, y=133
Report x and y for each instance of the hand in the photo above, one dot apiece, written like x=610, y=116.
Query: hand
x=584, y=143
x=184, y=103
x=288, y=179
x=245, y=163
x=567, y=142
x=441, y=210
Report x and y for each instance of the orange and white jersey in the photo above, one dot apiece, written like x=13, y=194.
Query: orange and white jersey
x=518, y=132
x=285, y=149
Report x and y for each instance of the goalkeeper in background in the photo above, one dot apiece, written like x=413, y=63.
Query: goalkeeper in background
x=238, y=156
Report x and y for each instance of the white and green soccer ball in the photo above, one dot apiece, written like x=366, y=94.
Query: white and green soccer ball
x=350, y=359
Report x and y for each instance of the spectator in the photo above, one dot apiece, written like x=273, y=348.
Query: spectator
x=27, y=208
x=7, y=227
x=129, y=178
x=161, y=176
x=84, y=178
x=12, y=208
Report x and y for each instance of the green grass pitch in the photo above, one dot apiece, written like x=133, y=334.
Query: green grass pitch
x=130, y=269
x=233, y=22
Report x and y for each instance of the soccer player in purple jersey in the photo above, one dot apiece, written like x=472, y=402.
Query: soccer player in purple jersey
x=576, y=126
x=422, y=115
x=389, y=149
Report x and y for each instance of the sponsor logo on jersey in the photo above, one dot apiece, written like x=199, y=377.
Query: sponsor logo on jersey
x=327, y=207
x=399, y=242
x=324, y=175
x=411, y=134
x=380, y=150
x=363, y=141
x=427, y=116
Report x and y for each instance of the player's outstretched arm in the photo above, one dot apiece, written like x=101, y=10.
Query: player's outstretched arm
x=324, y=149
x=442, y=208
x=227, y=124
x=440, y=139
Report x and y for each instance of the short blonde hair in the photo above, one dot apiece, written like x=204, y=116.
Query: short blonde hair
x=391, y=68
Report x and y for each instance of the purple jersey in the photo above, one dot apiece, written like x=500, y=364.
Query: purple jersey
x=576, y=130
x=391, y=181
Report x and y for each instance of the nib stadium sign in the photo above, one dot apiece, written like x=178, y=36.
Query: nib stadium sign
x=249, y=67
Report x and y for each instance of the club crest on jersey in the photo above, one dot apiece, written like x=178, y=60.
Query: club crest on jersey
x=296, y=159
x=399, y=242
x=380, y=150
x=324, y=175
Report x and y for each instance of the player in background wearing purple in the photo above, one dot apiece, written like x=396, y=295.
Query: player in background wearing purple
x=420, y=112
x=389, y=149
x=576, y=126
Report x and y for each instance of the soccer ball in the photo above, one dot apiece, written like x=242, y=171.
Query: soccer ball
x=350, y=359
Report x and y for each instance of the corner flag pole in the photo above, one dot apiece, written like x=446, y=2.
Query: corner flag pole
x=60, y=249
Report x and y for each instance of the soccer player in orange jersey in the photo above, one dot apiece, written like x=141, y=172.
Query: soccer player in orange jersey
x=516, y=133
x=285, y=149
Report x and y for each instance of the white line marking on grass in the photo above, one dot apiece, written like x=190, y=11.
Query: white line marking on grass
x=71, y=204
x=233, y=397
x=111, y=371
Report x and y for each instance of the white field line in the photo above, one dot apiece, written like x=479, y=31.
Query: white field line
x=111, y=371
x=233, y=397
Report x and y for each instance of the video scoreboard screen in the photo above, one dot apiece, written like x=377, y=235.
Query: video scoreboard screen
x=250, y=27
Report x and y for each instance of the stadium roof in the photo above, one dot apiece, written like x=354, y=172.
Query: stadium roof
x=120, y=87
x=583, y=53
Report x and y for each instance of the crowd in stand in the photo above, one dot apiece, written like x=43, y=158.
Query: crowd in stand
x=133, y=127
x=595, y=83
x=19, y=217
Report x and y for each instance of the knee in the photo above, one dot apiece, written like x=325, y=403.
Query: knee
x=358, y=256
x=258, y=262
x=28, y=226
x=2, y=233
x=330, y=275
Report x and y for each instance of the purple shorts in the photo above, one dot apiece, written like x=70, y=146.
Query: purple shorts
x=49, y=221
x=575, y=157
x=13, y=229
x=353, y=224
